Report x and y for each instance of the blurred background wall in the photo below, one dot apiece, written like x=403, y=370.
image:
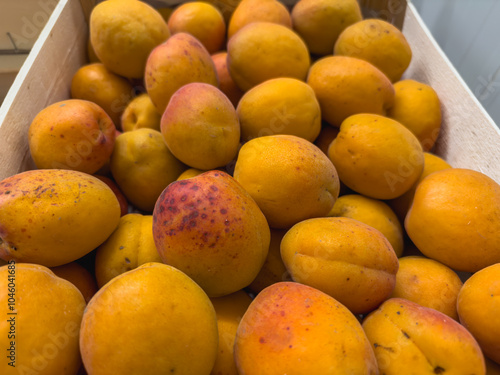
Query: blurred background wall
x=468, y=31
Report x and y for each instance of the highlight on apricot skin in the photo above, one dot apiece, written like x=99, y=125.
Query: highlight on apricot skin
x=428, y=283
x=478, y=309
x=344, y=258
x=291, y=328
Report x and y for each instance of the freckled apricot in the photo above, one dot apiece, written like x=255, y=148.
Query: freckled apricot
x=209, y=227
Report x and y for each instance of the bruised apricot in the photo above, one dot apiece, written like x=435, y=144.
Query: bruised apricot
x=73, y=213
x=209, y=227
x=407, y=336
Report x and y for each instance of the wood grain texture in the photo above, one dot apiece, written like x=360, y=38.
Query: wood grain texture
x=469, y=138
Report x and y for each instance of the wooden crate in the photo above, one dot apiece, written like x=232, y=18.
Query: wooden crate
x=469, y=137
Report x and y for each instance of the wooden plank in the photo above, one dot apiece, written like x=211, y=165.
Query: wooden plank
x=469, y=138
x=43, y=79
x=87, y=6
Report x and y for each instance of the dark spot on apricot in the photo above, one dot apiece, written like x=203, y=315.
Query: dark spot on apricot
x=183, y=183
x=214, y=188
x=172, y=201
x=192, y=223
x=162, y=208
x=223, y=211
x=438, y=370
x=203, y=216
x=121, y=248
x=194, y=187
x=127, y=260
x=183, y=198
x=262, y=340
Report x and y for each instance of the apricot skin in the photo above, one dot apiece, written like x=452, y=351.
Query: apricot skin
x=295, y=329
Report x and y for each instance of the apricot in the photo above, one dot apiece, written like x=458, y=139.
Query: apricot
x=122, y=200
x=209, y=227
x=492, y=368
x=42, y=315
x=478, y=309
x=417, y=106
x=344, y=258
x=295, y=329
x=123, y=34
x=455, y=219
x=200, y=126
x=79, y=276
x=378, y=42
x=203, y=21
x=248, y=11
x=273, y=270
x=72, y=134
x=226, y=82
x=279, y=106
x=229, y=310
x=410, y=339
x=326, y=136
x=142, y=166
x=140, y=113
x=401, y=204
x=156, y=312
x=264, y=50
x=428, y=283
x=376, y=156
x=73, y=214
x=182, y=59
x=188, y=173
x=345, y=86
x=373, y=212
x=289, y=178
x=130, y=246
x=320, y=22
x=97, y=84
